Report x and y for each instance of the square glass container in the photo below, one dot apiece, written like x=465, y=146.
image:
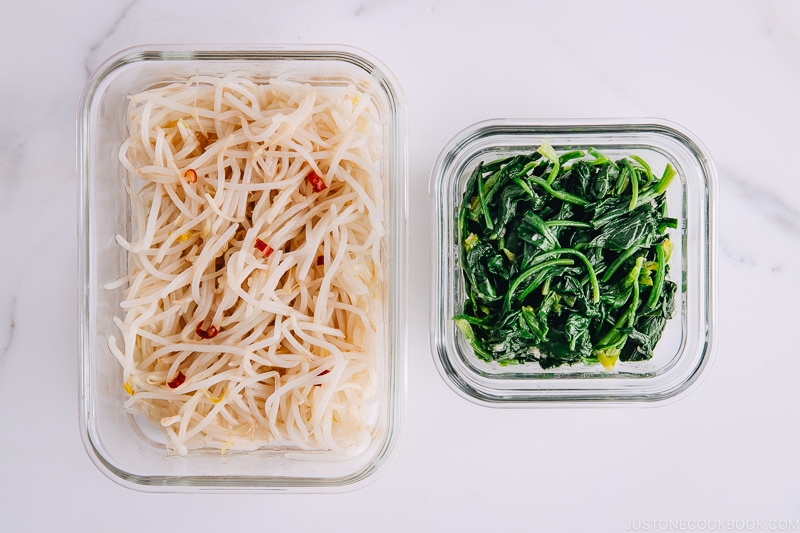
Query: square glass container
x=685, y=350
x=131, y=450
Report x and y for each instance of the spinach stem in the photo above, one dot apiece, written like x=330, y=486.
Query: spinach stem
x=634, y=184
x=610, y=336
x=482, y=195
x=466, y=329
x=635, y=293
x=622, y=181
x=522, y=185
x=648, y=171
x=569, y=223
x=585, y=260
x=561, y=195
x=666, y=179
x=569, y=156
x=546, y=286
x=629, y=316
x=659, y=188
x=618, y=263
x=530, y=166
x=530, y=272
x=547, y=151
x=599, y=157
x=658, y=282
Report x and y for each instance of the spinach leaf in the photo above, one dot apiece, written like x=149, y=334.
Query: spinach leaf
x=480, y=263
x=627, y=230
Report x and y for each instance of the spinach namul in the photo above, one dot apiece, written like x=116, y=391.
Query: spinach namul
x=565, y=258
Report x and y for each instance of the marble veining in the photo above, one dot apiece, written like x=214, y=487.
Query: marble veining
x=89, y=61
x=363, y=8
x=758, y=228
x=7, y=329
x=728, y=71
x=778, y=28
x=737, y=258
x=772, y=207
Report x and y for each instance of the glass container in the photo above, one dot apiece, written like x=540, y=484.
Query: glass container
x=131, y=450
x=685, y=350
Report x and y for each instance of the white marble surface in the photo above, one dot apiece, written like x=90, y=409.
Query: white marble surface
x=730, y=451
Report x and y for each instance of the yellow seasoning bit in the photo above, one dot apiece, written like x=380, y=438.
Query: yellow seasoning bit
x=608, y=356
x=607, y=362
x=218, y=398
x=128, y=388
x=667, y=247
x=224, y=449
x=470, y=241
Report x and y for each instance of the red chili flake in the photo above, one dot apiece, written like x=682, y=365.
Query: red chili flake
x=265, y=248
x=326, y=371
x=316, y=182
x=320, y=260
x=209, y=333
x=190, y=175
x=178, y=381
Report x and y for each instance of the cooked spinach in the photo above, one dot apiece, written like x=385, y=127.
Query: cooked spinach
x=565, y=258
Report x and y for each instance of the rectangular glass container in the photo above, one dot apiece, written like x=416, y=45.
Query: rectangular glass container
x=132, y=451
x=684, y=352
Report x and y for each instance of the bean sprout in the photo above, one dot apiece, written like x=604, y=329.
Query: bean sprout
x=251, y=310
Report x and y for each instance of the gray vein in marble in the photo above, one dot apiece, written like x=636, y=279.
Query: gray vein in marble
x=783, y=36
x=746, y=259
x=365, y=7
x=7, y=155
x=768, y=208
x=14, y=161
x=773, y=208
x=740, y=259
x=87, y=63
x=9, y=331
x=10, y=162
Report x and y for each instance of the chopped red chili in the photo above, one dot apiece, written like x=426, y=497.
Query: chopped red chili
x=320, y=260
x=317, y=183
x=209, y=333
x=326, y=371
x=190, y=175
x=265, y=248
x=178, y=381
